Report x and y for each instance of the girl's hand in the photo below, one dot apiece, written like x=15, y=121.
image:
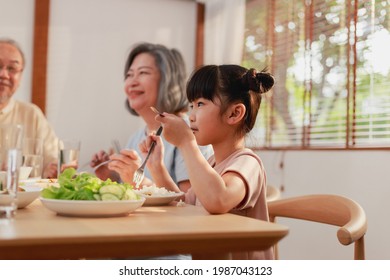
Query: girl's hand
x=125, y=164
x=176, y=130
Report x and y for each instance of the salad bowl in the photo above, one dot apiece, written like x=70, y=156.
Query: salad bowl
x=92, y=208
x=85, y=195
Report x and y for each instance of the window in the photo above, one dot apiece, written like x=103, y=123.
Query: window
x=332, y=69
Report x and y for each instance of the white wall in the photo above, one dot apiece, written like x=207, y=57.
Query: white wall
x=361, y=175
x=17, y=22
x=89, y=43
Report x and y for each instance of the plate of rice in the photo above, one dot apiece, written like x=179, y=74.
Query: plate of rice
x=157, y=196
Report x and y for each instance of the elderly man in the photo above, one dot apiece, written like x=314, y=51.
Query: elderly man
x=12, y=63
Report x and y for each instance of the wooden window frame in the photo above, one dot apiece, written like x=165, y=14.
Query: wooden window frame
x=269, y=46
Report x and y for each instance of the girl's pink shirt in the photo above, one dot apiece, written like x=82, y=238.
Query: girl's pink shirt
x=250, y=167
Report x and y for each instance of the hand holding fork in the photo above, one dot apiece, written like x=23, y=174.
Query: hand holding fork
x=139, y=173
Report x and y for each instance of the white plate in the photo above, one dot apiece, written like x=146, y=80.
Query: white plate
x=158, y=200
x=92, y=208
x=34, y=181
x=27, y=197
x=42, y=183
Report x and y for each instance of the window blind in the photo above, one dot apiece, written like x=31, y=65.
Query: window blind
x=331, y=69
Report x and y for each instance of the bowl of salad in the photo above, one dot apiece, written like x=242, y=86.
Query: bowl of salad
x=85, y=195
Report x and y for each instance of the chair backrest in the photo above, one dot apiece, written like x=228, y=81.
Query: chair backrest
x=328, y=209
x=273, y=193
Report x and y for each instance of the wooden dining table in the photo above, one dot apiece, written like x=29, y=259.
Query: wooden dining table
x=39, y=233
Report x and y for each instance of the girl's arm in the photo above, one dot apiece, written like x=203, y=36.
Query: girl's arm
x=218, y=194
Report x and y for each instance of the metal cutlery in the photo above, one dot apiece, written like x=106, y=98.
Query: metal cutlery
x=156, y=111
x=85, y=165
x=116, y=146
x=101, y=164
x=140, y=172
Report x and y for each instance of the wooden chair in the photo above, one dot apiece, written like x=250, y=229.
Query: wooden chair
x=273, y=193
x=328, y=209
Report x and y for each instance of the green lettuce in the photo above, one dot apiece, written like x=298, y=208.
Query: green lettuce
x=84, y=186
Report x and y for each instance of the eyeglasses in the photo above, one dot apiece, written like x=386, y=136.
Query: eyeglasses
x=11, y=69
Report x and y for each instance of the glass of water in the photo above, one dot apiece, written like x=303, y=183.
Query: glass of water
x=10, y=162
x=68, y=154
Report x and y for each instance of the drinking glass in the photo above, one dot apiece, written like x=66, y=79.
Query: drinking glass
x=68, y=154
x=10, y=162
x=33, y=156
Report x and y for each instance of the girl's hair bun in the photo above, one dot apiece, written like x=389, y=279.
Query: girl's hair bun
x=258, y=82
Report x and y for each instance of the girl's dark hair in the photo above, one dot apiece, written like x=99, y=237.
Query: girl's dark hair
x=171, y=96
x=231, y=84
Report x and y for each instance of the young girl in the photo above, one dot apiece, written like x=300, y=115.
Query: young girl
x=225, y=100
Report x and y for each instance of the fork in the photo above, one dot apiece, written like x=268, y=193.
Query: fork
x=140, y=172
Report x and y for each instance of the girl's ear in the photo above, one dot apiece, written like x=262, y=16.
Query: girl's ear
x=236, y=113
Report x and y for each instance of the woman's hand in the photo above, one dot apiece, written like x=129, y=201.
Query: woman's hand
x=156, y=158
x=125, y=164
x=102, y=172
x=50, y=171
